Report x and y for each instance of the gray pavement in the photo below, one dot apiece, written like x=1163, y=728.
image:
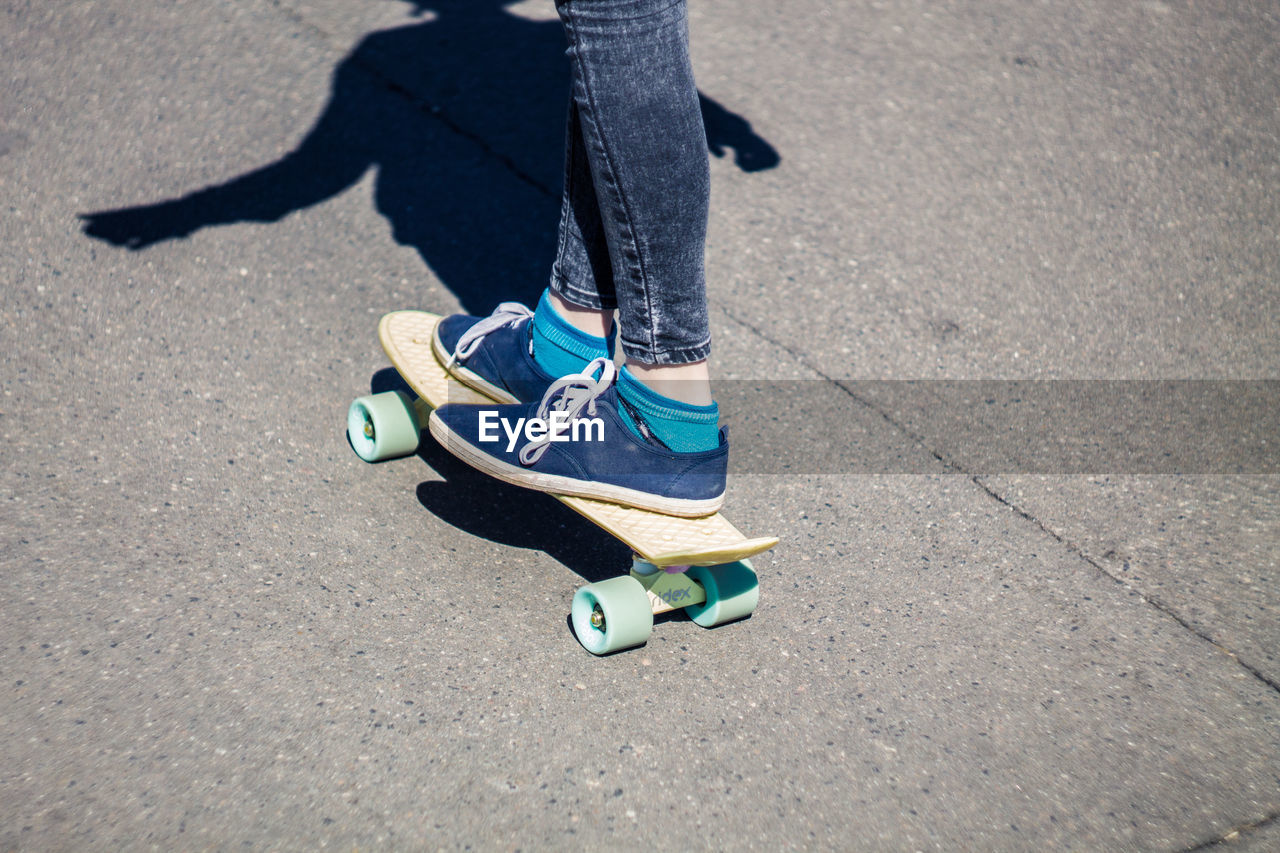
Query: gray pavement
x=219, y=629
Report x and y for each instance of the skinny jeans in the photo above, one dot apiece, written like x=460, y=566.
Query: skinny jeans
x=633, y=217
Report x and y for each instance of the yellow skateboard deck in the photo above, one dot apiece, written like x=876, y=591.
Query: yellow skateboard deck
x=661, y=540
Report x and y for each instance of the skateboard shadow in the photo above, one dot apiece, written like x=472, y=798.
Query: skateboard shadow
x=521, y=518
x=461, y=116
x=491, y=509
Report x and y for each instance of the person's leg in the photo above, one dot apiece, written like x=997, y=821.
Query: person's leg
x=634, y=207
x=582, y=275
x=632, y=234
x=637, y=176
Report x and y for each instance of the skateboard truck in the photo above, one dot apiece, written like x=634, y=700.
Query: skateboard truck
x=617, y=613
x=666, y=593
x=669, y=587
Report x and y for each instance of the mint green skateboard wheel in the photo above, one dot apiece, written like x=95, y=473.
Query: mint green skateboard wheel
x=383, y=426
x=612, y=615
x=732, y=593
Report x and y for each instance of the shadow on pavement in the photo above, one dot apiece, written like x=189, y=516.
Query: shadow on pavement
x=491, y=509
x=451, y=112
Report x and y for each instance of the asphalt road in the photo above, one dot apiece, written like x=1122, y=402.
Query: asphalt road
x=1038, y=611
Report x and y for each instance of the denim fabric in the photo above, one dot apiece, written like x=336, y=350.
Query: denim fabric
x=633, y=217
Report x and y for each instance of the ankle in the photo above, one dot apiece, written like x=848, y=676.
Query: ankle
x=672, y=422
x=688, y=383
x=559, y=346
x=590, y=321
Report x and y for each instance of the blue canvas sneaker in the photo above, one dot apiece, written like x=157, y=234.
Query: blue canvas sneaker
x=575, y=442
x=493, y=354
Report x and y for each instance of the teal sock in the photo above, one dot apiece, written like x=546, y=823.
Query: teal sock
x=558, y=347
x=680, y=426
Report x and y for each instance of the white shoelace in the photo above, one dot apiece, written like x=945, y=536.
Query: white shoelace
x=506, y=314
x=570, y=394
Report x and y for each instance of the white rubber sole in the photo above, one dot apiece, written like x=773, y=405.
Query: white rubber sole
x=559, y=485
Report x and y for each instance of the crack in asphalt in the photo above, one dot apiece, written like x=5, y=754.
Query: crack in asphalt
x=1236, y=833
x=1150, y=599
x=1072, y=547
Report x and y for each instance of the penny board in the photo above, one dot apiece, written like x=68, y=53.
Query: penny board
x=663, y=540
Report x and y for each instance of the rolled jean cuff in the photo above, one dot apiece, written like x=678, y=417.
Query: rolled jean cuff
x=584, y=296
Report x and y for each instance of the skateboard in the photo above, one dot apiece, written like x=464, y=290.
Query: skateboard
x=700, y=565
